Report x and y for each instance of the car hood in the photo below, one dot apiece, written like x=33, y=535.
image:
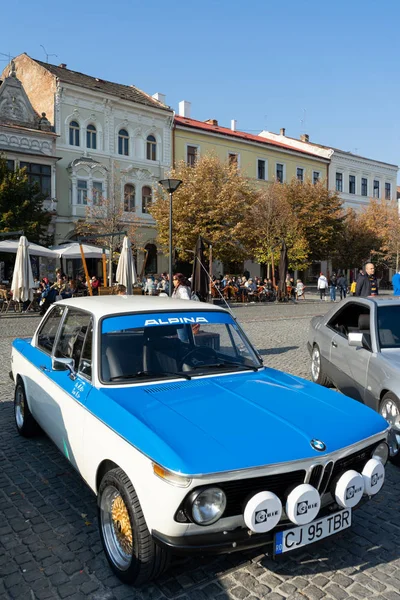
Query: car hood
x=236, y=421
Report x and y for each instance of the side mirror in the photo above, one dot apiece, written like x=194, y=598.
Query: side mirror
x=355, y=339
x=64, y=364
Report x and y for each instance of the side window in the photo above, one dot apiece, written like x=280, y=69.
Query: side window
x=48, y=331
x=353, y=318
x=72, y=336
x=85, y=364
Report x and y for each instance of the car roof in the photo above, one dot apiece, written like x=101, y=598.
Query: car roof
x=101, y=306
x=378, y=300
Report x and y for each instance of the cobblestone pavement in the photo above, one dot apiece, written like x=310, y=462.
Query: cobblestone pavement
x=50, y=546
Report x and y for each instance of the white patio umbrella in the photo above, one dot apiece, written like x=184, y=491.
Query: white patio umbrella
x=12, y=246
x=22, y=281
x=73, y=251
x=126, y=272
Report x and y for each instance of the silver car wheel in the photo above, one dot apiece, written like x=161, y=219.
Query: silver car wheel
x=116, y=527
x=315, y=364
x=390, y=412
x=19, y=407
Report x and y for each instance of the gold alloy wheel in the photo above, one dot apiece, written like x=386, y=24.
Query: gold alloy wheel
x=122, y=524
x=116, y=527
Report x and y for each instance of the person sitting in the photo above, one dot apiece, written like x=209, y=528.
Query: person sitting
x=149, y=286
x=95, y=283
x=120, y=290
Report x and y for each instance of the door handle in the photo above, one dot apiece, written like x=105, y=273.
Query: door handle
x=44, y=368
x=334, y=344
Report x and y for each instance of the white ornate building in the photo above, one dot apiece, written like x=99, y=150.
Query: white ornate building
x=356, y=178
x=114, y=141
x=26, y=138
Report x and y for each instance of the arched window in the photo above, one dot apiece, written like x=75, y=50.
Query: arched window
x=151, y=148
x=123, y=142
x=147, y=197
x=129, y=197
x=91, y=137
x=74, y=133
x=151, y=259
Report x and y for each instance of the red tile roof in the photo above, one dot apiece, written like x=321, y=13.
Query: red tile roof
x=185, y=122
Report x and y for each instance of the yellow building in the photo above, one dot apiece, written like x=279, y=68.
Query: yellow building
x=258, y=159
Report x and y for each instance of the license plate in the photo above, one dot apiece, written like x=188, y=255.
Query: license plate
x=312, y=532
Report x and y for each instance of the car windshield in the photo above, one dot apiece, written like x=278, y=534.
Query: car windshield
x=389, y=326
x=136, y=347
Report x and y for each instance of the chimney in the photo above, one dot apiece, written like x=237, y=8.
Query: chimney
x=233, y=124
x=63, y=65
x=212, y=122
x=305, y=137
x=283, y=131
x=184, y=109
x=159, y=97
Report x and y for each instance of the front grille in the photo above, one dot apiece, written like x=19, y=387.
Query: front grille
x=326, y=478
x=316, y=475
x=355, y=461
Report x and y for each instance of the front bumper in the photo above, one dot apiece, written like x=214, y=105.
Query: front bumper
x=224, y=542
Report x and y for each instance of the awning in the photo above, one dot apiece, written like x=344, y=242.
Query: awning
x=11, y=246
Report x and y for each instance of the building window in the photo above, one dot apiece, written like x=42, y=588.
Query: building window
x=82, y=191
x=315, y=177
x=123, y=142
x=376, y=188
x=388, y=191
x=74, y=133
x=233, y=159
x=97, y=192
x=129, y=198
x=91, y=137
x=191, y=155
x=279, y=172
x=339, y=182
x=261, y=169
x=364, y=186
x=39, y=175
x=352, y=184
x=300, y=174
x=10, y=164
x=151, y=148
x=147, y=197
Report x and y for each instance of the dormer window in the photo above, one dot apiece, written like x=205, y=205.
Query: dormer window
x=74, y=133
x=151, y=148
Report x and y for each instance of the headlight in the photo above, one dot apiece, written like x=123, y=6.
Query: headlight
x=207, y=505
x=381, y=452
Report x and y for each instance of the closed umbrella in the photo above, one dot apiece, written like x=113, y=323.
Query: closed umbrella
x=126, y=272
x=283, y=267
x=200, y=277
x=22, y=281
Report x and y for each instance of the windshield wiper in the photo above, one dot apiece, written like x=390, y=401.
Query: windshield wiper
x=140, y=374
x=226, y=363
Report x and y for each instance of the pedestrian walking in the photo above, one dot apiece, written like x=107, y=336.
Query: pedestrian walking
x=332, y=287
x=367, y=284
x=396, y=284
x=342, y=286
x=322, y=286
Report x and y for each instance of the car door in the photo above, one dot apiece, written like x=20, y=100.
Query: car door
x=67, y=393
x=349, y=363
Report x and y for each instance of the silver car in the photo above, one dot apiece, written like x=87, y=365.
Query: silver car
x=356, y=347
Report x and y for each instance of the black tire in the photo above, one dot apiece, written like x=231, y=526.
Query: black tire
x=391, y=400
x=24, y=420
x=130, y=549
x=317, y=373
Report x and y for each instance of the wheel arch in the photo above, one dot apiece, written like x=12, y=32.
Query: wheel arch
x=103, y=468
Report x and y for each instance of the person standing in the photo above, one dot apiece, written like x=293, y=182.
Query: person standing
x=396, y=283
x=342, y=286
x=367, y=284
x=322, y=285
x=181, y=287
x=333, y=284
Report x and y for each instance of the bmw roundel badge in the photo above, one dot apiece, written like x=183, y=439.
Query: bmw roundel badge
x=318, y=445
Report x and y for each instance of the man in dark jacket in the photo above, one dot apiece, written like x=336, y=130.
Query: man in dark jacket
x=367, y=284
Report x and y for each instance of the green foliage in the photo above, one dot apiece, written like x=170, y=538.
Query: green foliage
x=21, y=205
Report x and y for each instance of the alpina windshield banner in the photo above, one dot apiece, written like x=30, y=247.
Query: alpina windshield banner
x=134, y=321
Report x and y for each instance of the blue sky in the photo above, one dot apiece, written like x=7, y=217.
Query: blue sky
x=265, y=63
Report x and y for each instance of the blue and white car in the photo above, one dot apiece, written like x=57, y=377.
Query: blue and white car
x=189, y=442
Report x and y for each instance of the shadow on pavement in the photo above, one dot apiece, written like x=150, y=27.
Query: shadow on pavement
x=282, y=350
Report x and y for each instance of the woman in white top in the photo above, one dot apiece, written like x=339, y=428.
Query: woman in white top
x=181, y=287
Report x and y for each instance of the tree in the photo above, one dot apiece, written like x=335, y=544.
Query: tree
x=212, y=202
x=354, y=243
x=269, y=220
x=319, y=215
x=21, y=205
x=381, y=217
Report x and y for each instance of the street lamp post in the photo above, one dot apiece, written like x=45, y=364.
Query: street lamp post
x=170, y=185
